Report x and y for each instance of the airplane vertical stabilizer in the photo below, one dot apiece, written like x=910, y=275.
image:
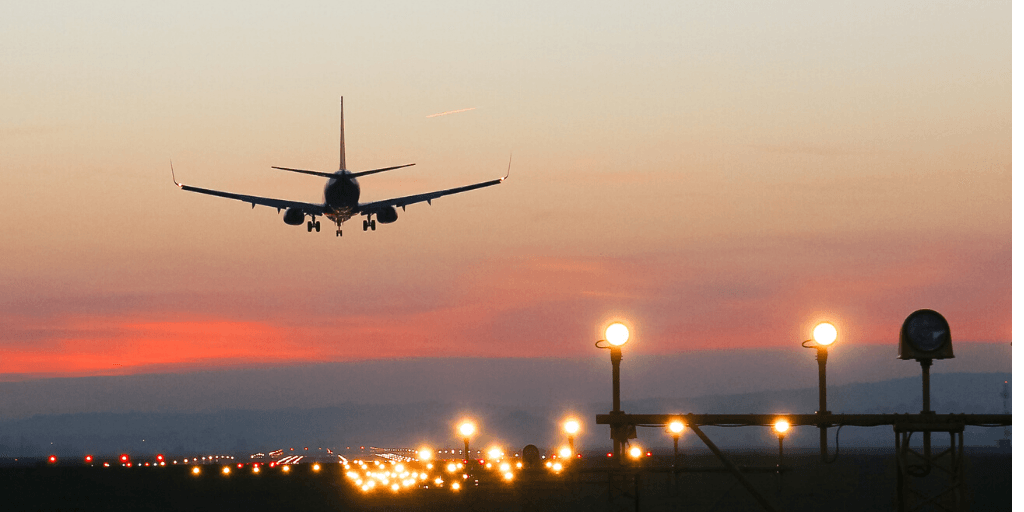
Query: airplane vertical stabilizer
x=341, y=165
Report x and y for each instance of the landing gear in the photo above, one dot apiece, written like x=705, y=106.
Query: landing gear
x=311, y=225
x=337, y=233
x=371, y=224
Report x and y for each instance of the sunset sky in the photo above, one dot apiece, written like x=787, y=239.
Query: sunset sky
x=718, y=175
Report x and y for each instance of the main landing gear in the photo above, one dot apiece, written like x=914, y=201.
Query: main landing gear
x=311, y=225
x=371, y=224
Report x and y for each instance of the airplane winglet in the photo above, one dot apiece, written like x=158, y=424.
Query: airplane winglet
x=175, y=180
x=509, y=170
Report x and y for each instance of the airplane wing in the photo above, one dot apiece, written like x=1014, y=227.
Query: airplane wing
x=375, y=206
x=309, y=208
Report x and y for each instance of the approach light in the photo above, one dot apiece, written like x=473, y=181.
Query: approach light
x=572, y=427
x=466, y=429
x=676, y=427
x=226, y=470
x=825, y=334
x=425, y=454
x=494, y=453
x=781, y=427
x=635, y=452
x=565, y=452
x=617, y=334
x=316, y=467
x=195, y=470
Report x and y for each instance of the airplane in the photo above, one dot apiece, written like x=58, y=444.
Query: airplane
x=341, y=196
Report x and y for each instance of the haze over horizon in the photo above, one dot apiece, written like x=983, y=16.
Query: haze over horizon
x=720, y=176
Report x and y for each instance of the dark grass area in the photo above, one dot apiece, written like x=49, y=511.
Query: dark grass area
x=856, y=481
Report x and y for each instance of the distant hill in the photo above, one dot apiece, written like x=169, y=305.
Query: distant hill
x=424, y=422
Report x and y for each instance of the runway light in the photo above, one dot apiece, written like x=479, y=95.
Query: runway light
x=425, y=454
x=316, y=467
x=88, y=459
x=616, y=334
x=676, y=427
x=159, y=457
x=226, y=470
x=635, y=452
x=124, y=457
x=255, y=469
x=825, y=334
x=508, y=476
x=286, y=469
x=565, y=452
x=781, y=426
x=466, y=429
x=494, y=453
x=572, y=427
x=456, y=486
x=52, y=459
x=195, y=470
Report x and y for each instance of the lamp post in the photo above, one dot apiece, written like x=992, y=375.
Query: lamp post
x=466, y=429
x=781, y=426
x=571, y=427
x=824, y=335
x=616, y=336
x=676, y=429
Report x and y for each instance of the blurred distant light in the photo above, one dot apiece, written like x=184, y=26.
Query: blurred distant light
x=635, y=452
x=676, y=427
x=572, y=427
x=781, y=426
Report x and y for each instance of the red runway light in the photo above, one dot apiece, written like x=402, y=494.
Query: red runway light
x=649, y=454
x=52, y=459
x=240, y=466
x=124, y=457
x=159, y=457
x=609, y=454
x=88, y=459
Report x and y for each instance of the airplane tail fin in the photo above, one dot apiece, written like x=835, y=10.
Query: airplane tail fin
x=341, y=165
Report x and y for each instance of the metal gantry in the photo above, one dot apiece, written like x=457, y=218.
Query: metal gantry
x=912, y=464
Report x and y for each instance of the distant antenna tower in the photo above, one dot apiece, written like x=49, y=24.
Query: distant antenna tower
x=1006, y=406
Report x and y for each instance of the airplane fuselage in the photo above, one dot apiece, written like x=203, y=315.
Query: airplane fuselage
x=341, y=196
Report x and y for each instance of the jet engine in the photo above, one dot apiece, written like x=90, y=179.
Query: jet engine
x=387, y=215
x=294, y=216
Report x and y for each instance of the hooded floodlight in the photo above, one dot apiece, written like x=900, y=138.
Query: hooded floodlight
x=925, y=335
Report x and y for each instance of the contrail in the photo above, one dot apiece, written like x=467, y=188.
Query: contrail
x=452, y=112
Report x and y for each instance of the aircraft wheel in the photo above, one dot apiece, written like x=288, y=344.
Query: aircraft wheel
x=373, y=225
x=309, y=226
x=365, y=225
x=317, y=226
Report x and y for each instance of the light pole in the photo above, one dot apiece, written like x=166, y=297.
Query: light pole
x=781, y=426
x=571, y=427
x=676, y=429
x=616, y=335
x=466, y=429
x=824, y=335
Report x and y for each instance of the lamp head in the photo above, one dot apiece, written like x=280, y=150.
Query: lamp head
x=824, y=334
x=467, y=428
x=676, y=427
x=781, y=427
x=572, y=427
x=616, y=334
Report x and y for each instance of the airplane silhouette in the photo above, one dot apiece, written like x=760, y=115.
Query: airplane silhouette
x=341, y=196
